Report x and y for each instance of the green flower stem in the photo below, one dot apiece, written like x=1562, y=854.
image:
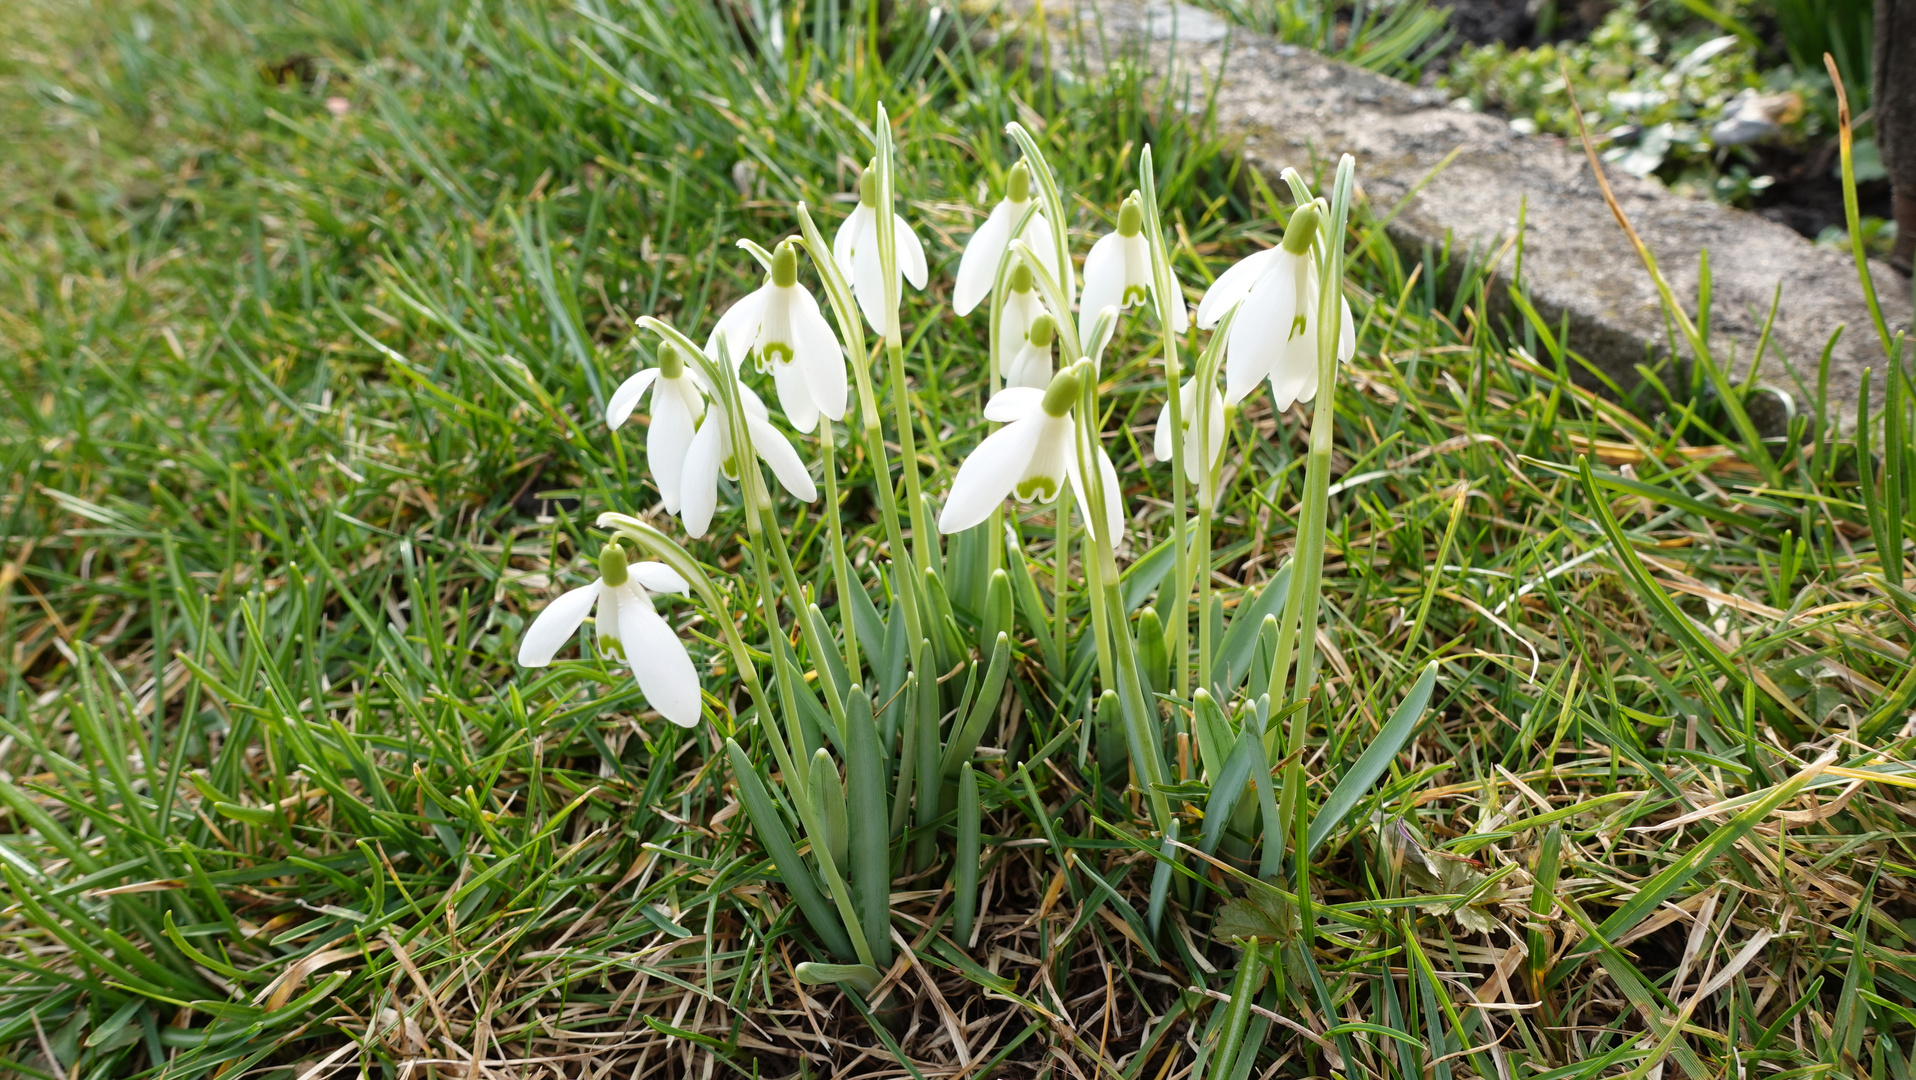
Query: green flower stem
x=924, y=540
x=795, y=762
x=1303, y=605
x=1117, y=657
x=841, y=566
x=871, y=426
x=1164, y=291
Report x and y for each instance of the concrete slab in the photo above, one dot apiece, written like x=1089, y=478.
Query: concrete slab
x=1287, y=105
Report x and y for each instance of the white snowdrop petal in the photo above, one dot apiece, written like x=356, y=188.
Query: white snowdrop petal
x=555, y=625
x=1294, y=376
x=658, y=660
x=1014, y=403
x=777, y=452
x=1346, y=334
x=1161, y=444
x=668, y=437
x=795, y=396
x=658, y=577
x=820, y=357
x=989, y=474
x=1256, y=344
x=868, y=277
x=1037, y=236
x=740, y=324
x=698, y=491
x=911, y=253
x=978, y=266
x=1233, y=285
x=1103, y=282
x=847, y=237
x=1113, y=496
x=1030, y=368
x=626, y=397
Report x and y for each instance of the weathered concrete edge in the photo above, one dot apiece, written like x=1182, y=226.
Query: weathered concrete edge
x=1285, y=105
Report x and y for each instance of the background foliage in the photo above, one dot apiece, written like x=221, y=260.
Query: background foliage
x=306, y=316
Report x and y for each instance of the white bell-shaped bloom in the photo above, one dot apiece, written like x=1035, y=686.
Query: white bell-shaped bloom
x=678, y=400
x=781, y=326
x=1021, y=308
x=985, y=251
x=1274, y=335
x=1117, y=273
x=1195, y=461
x=711, y=453
x=1032, y=458
x=1030, y=363
x=626, y=629
x=855, y=250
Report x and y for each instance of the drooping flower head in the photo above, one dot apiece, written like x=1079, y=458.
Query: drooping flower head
x=1194, y=462
x=1022, y=306
x=711, y=453
x=1032, y=458
x=1030, y=364
x=1274, y=335
x=1117, y=272
x=855, y=250
x=678, y=400
x=626, y=629
x=985, y=251
x=780, y=325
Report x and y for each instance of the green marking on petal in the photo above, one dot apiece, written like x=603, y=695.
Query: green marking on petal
x=1037, y=489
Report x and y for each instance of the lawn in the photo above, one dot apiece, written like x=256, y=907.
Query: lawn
x=1587, y=708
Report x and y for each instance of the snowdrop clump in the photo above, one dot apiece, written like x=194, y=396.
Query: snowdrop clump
x=1277, y=316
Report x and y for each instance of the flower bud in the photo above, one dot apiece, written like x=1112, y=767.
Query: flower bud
x=1301, y=230
x=784, y=265
x=612, y=565
x=1061, y=394
x=1018, y=185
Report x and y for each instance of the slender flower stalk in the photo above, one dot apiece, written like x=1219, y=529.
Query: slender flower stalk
x=892, y=253
x=838, y=291
x=1166, y=293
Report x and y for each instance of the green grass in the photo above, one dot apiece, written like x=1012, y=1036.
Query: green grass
x=303, y=423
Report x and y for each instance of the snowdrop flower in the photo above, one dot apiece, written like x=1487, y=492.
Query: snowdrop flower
x=711, y=453
x=1194, y=463
x=1021, y=308
x=855, y=250
x=1275, y=333
x=780, y=324
x=626, y=629
x=1030, y=366
x=1117, y=273
x=678, y=400
x=978, y=267
x=1031, y=458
